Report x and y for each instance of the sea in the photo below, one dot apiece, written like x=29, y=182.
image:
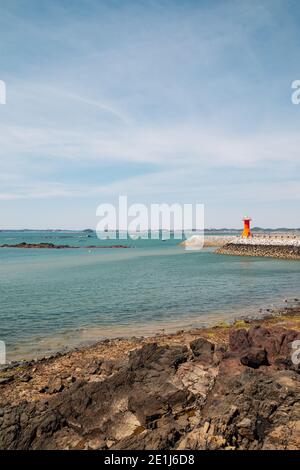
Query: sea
x=53, y=300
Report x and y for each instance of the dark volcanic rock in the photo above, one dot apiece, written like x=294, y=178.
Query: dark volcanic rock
x=37, y=245
x=255, y=358
x=249, y=410
x=239, y=340
x=275, y=342
x=152, y=355
x=55, y=385
x=203, y=349
x=25, y=378
x=6, y=380
x=51, y=246
x=135, y=398
x=167, y=397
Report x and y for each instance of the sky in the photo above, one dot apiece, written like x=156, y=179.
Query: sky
x=163, y=101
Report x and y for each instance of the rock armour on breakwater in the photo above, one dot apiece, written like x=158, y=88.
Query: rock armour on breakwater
x=270, y=248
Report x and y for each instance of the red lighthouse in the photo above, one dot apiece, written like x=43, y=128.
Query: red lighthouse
x=246, y=232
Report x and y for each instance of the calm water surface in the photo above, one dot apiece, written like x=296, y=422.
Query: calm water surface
x=51, y=298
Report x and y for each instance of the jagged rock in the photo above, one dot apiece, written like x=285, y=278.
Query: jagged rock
x=55, y=385
x=152, y=355
x=6, y=380
x=51, y=246
x=167, y=397
x=284, y=437
x=255, y=358
x=203, y=349
x=276, y=342
x=26, y=378
x=239, y=340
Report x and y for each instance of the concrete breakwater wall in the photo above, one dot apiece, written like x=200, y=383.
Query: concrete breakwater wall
x=266, y=247
x=209, y=241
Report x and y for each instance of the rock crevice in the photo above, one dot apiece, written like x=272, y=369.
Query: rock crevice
x=243, y=393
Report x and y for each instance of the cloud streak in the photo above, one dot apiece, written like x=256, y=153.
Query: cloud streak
x=196, y=94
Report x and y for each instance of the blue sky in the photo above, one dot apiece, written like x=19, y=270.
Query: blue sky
x=163, y=101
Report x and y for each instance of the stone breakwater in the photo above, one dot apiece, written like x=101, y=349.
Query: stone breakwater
x=270, y=247
x=227, y=387
x=198, y=242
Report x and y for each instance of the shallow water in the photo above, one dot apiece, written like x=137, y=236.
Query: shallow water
x=55, y=298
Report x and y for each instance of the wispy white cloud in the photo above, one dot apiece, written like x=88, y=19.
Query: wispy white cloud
x=186, y=90
x=176, y=146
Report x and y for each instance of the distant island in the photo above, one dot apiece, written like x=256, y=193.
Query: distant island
x=51, y=246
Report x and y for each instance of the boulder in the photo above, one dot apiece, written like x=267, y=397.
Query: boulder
x=255, y=358
x=202, y=349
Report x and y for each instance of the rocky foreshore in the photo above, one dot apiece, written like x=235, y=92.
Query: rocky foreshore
x=225, y=387
x=271, y=247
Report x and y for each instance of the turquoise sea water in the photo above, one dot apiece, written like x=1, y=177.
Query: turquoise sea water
x=49, y=295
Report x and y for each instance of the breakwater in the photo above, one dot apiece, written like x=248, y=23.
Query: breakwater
x=270, y=247
x=198, y=242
